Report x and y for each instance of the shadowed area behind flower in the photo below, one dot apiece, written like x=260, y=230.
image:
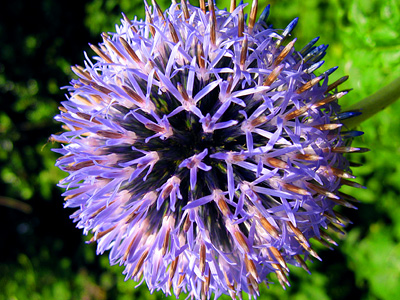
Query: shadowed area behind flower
x=22, y=158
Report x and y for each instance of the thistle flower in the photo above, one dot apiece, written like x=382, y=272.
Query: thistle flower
x=202, y=150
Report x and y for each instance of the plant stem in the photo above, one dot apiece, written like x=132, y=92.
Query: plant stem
x=373, y=104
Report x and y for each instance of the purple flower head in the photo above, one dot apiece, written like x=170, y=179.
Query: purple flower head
x=203, y=152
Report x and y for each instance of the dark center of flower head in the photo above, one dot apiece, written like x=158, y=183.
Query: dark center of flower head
x=203, y=151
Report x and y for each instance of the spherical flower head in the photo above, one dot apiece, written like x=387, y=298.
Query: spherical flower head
x=202, y=151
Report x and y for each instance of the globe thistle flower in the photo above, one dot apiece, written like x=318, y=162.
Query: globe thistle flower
x=203, y=152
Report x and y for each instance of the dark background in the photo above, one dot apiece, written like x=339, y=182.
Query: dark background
x=43, y=256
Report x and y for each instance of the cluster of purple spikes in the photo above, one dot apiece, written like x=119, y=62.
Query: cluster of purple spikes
x=203, y=152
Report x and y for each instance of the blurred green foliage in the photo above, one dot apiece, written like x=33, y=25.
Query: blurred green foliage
x=44, y=257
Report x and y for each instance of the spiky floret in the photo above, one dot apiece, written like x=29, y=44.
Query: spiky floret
x=202, y=151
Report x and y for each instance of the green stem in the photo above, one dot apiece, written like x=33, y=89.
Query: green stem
x=373, y=104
